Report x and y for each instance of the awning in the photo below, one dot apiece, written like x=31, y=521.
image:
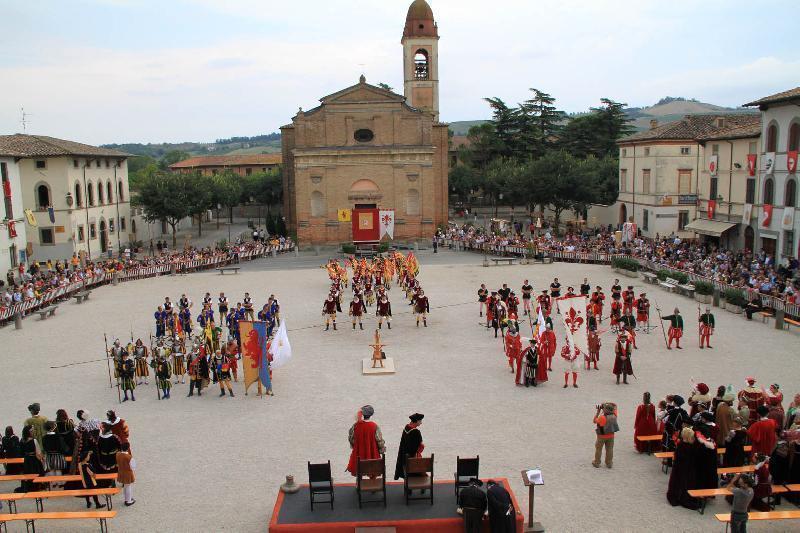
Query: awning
x=714, y=228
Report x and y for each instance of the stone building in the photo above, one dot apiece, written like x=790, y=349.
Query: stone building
x=243, y=165
x=367, y=147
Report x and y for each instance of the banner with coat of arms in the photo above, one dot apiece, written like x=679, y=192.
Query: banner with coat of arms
x=713, y=163
x=747, y=213
x=386, y=218
x=769, y=162
x=343, y=215
x=751, y=164
x=791, y=161
x=573, y=313
x=787, y=220
x=766, y=216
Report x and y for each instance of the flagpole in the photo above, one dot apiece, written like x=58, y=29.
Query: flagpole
x=661, y=320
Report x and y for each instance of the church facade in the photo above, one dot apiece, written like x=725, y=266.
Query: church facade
x=367, y=147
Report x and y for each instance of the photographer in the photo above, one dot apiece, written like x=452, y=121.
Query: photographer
x=605, y=420
x=742, y=488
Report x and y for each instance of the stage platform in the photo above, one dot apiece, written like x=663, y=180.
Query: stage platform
x=292, y=513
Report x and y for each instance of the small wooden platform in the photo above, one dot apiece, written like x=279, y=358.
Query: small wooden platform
x=222, y=270
x=388, y=367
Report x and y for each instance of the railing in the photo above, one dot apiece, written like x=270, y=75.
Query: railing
x=179, y=266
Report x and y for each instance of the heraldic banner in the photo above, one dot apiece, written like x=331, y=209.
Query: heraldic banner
x=365, y=225
x=254, y=352
x=573, y=312
x=386, y=218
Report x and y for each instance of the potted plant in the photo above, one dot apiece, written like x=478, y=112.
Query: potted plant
x=703, y=291
x=625, y=266
x=734, y=300
x=348, y=248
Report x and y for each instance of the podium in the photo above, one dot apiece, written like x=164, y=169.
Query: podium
x=531, y=526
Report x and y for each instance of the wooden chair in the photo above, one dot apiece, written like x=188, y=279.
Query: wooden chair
x=466, y=469
x=371, y=478
x=419, y=476
x=320, y=482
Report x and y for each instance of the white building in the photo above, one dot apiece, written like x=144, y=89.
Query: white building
x=777, y=224
x=12, y=218
x=77, y=194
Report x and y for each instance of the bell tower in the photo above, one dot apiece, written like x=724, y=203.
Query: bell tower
x=421, y=58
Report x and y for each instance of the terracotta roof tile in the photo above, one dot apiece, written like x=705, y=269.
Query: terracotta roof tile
x=701, y=127
x=785, y=96
x=229, y=161
x=23, y=145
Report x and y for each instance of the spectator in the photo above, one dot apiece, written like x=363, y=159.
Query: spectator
x=10, y=448
x=34, y=460
x=126, y=465
x=37, y=422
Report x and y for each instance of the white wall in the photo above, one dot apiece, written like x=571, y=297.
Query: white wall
x=19, y=242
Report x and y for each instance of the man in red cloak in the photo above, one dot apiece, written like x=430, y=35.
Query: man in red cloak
x=644, y=423
x=547, y=347
x=514, y=349
x=365, y=439
x=753, y=397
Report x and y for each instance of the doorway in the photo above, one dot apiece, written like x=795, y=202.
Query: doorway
x=623, y=214
x=103, y=237
x=768, y=245
x=749, y=238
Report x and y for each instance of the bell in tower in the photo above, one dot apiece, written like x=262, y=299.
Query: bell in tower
x=420, y=58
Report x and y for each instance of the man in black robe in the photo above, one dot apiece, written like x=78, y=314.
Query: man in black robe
x=501, y=509
x=410, y=444
x=472, y=501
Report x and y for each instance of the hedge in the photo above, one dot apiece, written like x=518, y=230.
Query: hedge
x=735, y=297
x=680, y=277
x=625, y=263
x=348, y=248
x=383, y=247
x=703, y=288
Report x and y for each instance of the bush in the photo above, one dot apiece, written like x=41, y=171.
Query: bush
x=703, y=288
x=735, y=297
x=625, y=263
x=383, y=247
x=663, y=274
x=348, y=248
x=680, y=277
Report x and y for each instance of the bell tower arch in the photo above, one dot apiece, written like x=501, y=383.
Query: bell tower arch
x=421, y=58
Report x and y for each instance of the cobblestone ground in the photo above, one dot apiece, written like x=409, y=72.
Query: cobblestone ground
x=213, y=464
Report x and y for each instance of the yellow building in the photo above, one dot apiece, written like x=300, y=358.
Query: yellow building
x=365, y=146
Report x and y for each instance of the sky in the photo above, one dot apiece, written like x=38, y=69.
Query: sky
x=114, y=71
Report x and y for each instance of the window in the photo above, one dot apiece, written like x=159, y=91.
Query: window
x=108, y=164
x=772, y=138
x=646, y=181
x=794, y=136
x=248, y=171
x=750, y=191
x=790, y=194
x=97, y=163
x=214, y=172
x=41, y=164
x=412, y=202
x=100, y=195
x=317, y=204
x=645, y=219
x=81, y=234
x=122, y=224
x=788, y=243
x=712, y=189
x=769, y=191
x=686, y=150
x=133, y=224
x=624, y=152
x=7, y=191
x=683, y=219
x=75, y=163
x=120, y=194
x=46, y=236
x=92, y=231
x=684, y=182
x=623, y=179
x=90, y=194
x=111, y=225
x=752, y=148
x=43, y=196
x=646, y=151
x=78, y=195
x=714, y=149
x=421, y=64
x=363, y=135
x=109, y=192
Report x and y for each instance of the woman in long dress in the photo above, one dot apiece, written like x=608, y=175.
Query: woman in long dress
x=683, y=476
x=33, y=458
x=10, y=448
x=644, y=423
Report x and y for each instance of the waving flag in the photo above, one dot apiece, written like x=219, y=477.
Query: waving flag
x=573, y=312
x=540, y=325
x=281, y=349
x=254, y=351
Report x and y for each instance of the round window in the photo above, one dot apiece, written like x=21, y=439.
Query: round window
x=364, y=135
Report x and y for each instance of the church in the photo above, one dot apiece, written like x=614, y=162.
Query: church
x=367, y=148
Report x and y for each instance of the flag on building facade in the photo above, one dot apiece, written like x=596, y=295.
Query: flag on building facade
x=343, y=215
x=791, y=161
x=711, y=209
x=766, y=216
x=713, y=162
x=30, y=217
x=747, y=213
x=751, y=164
x=386, y=219
x=769, y=161
x=787, y=220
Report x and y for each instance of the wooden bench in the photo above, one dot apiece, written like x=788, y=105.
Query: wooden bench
x=31, y=518
x=772, y=515
x=19, y=477
x=744, y=469
x=67, y=479
x=222, y=270
x=650, y=278
x=82, y=296
x=705, y=494
x=47, y=311
x=766, y=315
x=669, y=284
x=687, y=290
x=649, y=439
x=509, y=260
x=790, y=322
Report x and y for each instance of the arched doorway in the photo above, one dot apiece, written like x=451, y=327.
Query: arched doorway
x=103, y=237
x=749, y=238
x=623, y=214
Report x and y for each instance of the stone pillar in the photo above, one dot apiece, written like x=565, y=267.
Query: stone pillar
x=18, y=320
x=173, y=269
x=779, y=316
x=716, y=297
x=115, y=278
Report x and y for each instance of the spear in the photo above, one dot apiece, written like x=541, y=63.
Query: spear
x=155, y=367
x=108, y=365
x=699, y=328
x=661, y=320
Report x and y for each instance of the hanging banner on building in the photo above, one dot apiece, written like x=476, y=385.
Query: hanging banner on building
x=365, y=225
x=629, y=231
x=791, y=161
x=766, y=216
x=787, y=220
x=7, y=189
x=343, y=215
x=12, y=230
x=747, y=213
x=51, y=213
x=769, y=161
x=386, y=217
x=31, y=218
x=751, y=164
x=713, y=162
x=711, y=209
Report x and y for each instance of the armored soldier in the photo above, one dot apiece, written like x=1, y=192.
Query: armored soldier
x=163, y=371
x=178, y=359
x=140, y=360
x=127, y=372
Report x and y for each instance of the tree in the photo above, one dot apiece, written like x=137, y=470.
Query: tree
x=226, y=192
x=263, y=188
x=597, y=133
x=201, y=195
x=165, y=197
x=463, y=180
x=172, y=157
x=540, y=123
